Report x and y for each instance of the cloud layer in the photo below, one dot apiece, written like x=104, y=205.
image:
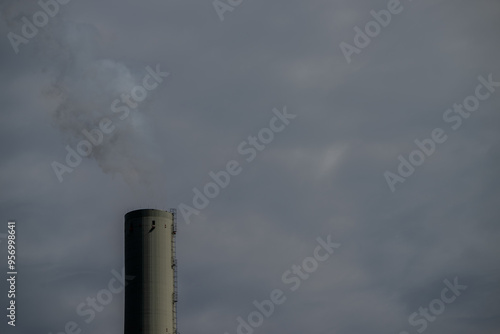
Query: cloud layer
x=323, y=175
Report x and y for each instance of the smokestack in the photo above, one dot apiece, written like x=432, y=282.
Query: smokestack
x=151, y=297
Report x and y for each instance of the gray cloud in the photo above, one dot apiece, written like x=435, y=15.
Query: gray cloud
x=322, y=175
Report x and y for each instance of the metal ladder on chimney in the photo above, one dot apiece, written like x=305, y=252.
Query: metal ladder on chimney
x=174, y=267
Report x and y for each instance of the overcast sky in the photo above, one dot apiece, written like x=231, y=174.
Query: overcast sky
x=356, y=105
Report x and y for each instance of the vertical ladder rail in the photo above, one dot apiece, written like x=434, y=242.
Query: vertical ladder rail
x=174, y=267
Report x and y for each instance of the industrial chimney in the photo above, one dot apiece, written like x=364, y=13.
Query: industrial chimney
x=151, y=297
